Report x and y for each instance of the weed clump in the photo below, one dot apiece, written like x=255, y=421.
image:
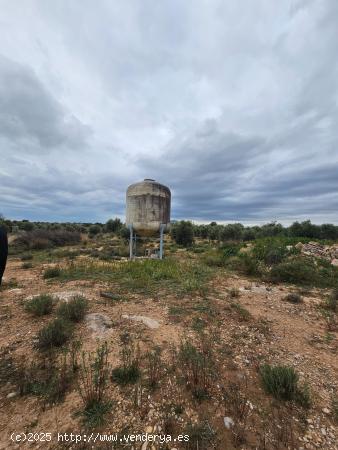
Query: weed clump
x=197, y=367
x=54, y=334
x=52, y=272
x=332, y=301
x=40, y=305
x=293, y=298
x=282, y=383
x=242, y=312
x=154, y=366
x=73, y=310
x=92, y=386
x=129, y=372
x=201, y=436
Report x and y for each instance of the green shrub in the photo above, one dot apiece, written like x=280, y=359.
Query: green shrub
x=197, y=368
x=183, y=233
x=248, y=264
x=129, y=372
x=40, y=305
x=293, y=298
x=92, y=386
x=26, y=265
x=270, y=251
x=73, y=310
x=54, y=334
x=52, y=272
x=229, y=250
x=304, y=272
x=154, y=366
x=242, y=312
x=282, y=383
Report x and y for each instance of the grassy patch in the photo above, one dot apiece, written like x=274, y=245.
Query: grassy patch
x=73, y=310
x=282, y=383
x=52, y=272
x=40, y=305
x=54, y=334
x=143, y=275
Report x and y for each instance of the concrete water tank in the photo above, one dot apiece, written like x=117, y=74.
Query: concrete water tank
x=148, y=207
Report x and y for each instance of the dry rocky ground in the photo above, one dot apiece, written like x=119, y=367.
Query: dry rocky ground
x=247, y=323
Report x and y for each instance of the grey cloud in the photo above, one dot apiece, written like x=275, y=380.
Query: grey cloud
x=28, y=112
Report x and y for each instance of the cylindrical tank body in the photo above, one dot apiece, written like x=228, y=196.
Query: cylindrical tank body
x=148, y=207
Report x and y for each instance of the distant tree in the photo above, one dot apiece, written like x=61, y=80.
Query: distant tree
x=328, y=231
x=271, y=229
x=113, y=225
x=27, y=226
x=183, y=233
x=124, y=232
x=232, y=232
x=213, y=232
x=94, y=229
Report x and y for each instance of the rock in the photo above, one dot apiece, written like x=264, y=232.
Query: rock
x=150, y=323
x=15, y=291
x=12, y=394
x=99, y=323
x=326, y=411
x=65, y=296
x=228, y=422
x=334, y=262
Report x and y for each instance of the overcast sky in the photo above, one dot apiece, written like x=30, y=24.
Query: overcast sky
x=233, y=104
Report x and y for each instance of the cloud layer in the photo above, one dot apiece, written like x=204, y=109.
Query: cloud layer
x=233, y=106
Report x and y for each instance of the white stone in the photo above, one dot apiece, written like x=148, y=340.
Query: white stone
x=228, y=422
x=12, y=394
x=99, y=323
x=150, y=323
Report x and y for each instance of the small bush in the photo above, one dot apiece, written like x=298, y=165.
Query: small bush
x=234, y=293
x=26, y=265
x=282, y=383
x=54, y=334
x=27, y=257
x=129, y=372
x=304, y=271
x=197, y=367
x=332, y=301
x=242, y=312
x=40, y=305
x=42, y=239
x=93, y=381
x=201, y=436
x=49, y=379
x=52, y=272
x=73, y=310
x=293, y=298
x=154, y=366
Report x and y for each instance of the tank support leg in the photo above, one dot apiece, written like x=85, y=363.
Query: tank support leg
x=131, y=241
x=161, y=240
